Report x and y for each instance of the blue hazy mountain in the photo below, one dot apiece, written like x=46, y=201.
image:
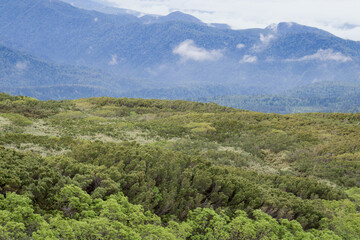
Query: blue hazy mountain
x=172, y=17
x=177, y=56
x=101, y=6
x=318, y=97
x=24, y=74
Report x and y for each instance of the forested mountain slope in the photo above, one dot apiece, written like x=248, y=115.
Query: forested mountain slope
x=178, y=50
x=22, y=73
x=105, y=168
x=318, y=97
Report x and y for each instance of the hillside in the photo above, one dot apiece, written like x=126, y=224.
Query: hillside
x=105, y=168
x=178, y=50
x=22, y=73
x=318, y=97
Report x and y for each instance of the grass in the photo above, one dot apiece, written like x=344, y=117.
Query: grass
x=4, y=122
x=36, y=149
x=41, y=128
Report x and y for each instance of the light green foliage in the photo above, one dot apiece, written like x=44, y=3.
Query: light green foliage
x=16, y=119
x=344, y=219
x=110, y=219
x=73, y=201
x=200, y=127
x=207, y=224
x=17, y=217
x=354, y=193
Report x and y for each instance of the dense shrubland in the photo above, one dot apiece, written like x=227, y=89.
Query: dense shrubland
x=105, y=168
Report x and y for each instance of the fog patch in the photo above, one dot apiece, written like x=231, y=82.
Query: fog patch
x=113, y=60
x=323, y=55
x=240, y=46
x=188, y=50
x=273, y=27
x=264, y=42
x=249, y=59
x=21, y=66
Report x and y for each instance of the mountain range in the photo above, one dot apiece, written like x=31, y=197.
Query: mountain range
x=104, y=50
x=27, y=75
x=317, y=97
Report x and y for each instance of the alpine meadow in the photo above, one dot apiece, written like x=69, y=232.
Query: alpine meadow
x=127, y=124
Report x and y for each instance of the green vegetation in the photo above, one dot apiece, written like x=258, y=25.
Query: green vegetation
x=107, y=168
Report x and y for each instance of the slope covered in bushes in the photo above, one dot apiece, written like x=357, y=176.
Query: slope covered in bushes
x=105, y=168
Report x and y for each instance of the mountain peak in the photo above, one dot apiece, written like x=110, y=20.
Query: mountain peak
x=180, y=16
x=176, y=16
x=293, y=27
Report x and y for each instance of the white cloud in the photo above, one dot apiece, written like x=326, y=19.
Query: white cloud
x=188, y=50
x=21, y=65
x=264, y=42
x=249, y=59
x=324, y=55
x=113, y=60
x=240, y=46
x=325, y=14
x=266, y=39
x=274, y=27
x=89, y=50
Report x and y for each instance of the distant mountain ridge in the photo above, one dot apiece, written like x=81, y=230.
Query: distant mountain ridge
x=328, y=97
x=175, y=56
x=176, y=16
x=21, y=73
x=100, y=6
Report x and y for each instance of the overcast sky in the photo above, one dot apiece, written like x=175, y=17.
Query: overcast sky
x=340, y=17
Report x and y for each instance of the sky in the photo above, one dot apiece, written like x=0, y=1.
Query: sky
x=340, y=17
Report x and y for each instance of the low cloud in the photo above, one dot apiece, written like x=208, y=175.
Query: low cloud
x=274, y=27
x=188, y=50
x=249, y=59
x=240, y=46
x=324, y=55
x=21, y=65
x=264, y=42
x=324, y=14
x=266, y=39
x=113, y=60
